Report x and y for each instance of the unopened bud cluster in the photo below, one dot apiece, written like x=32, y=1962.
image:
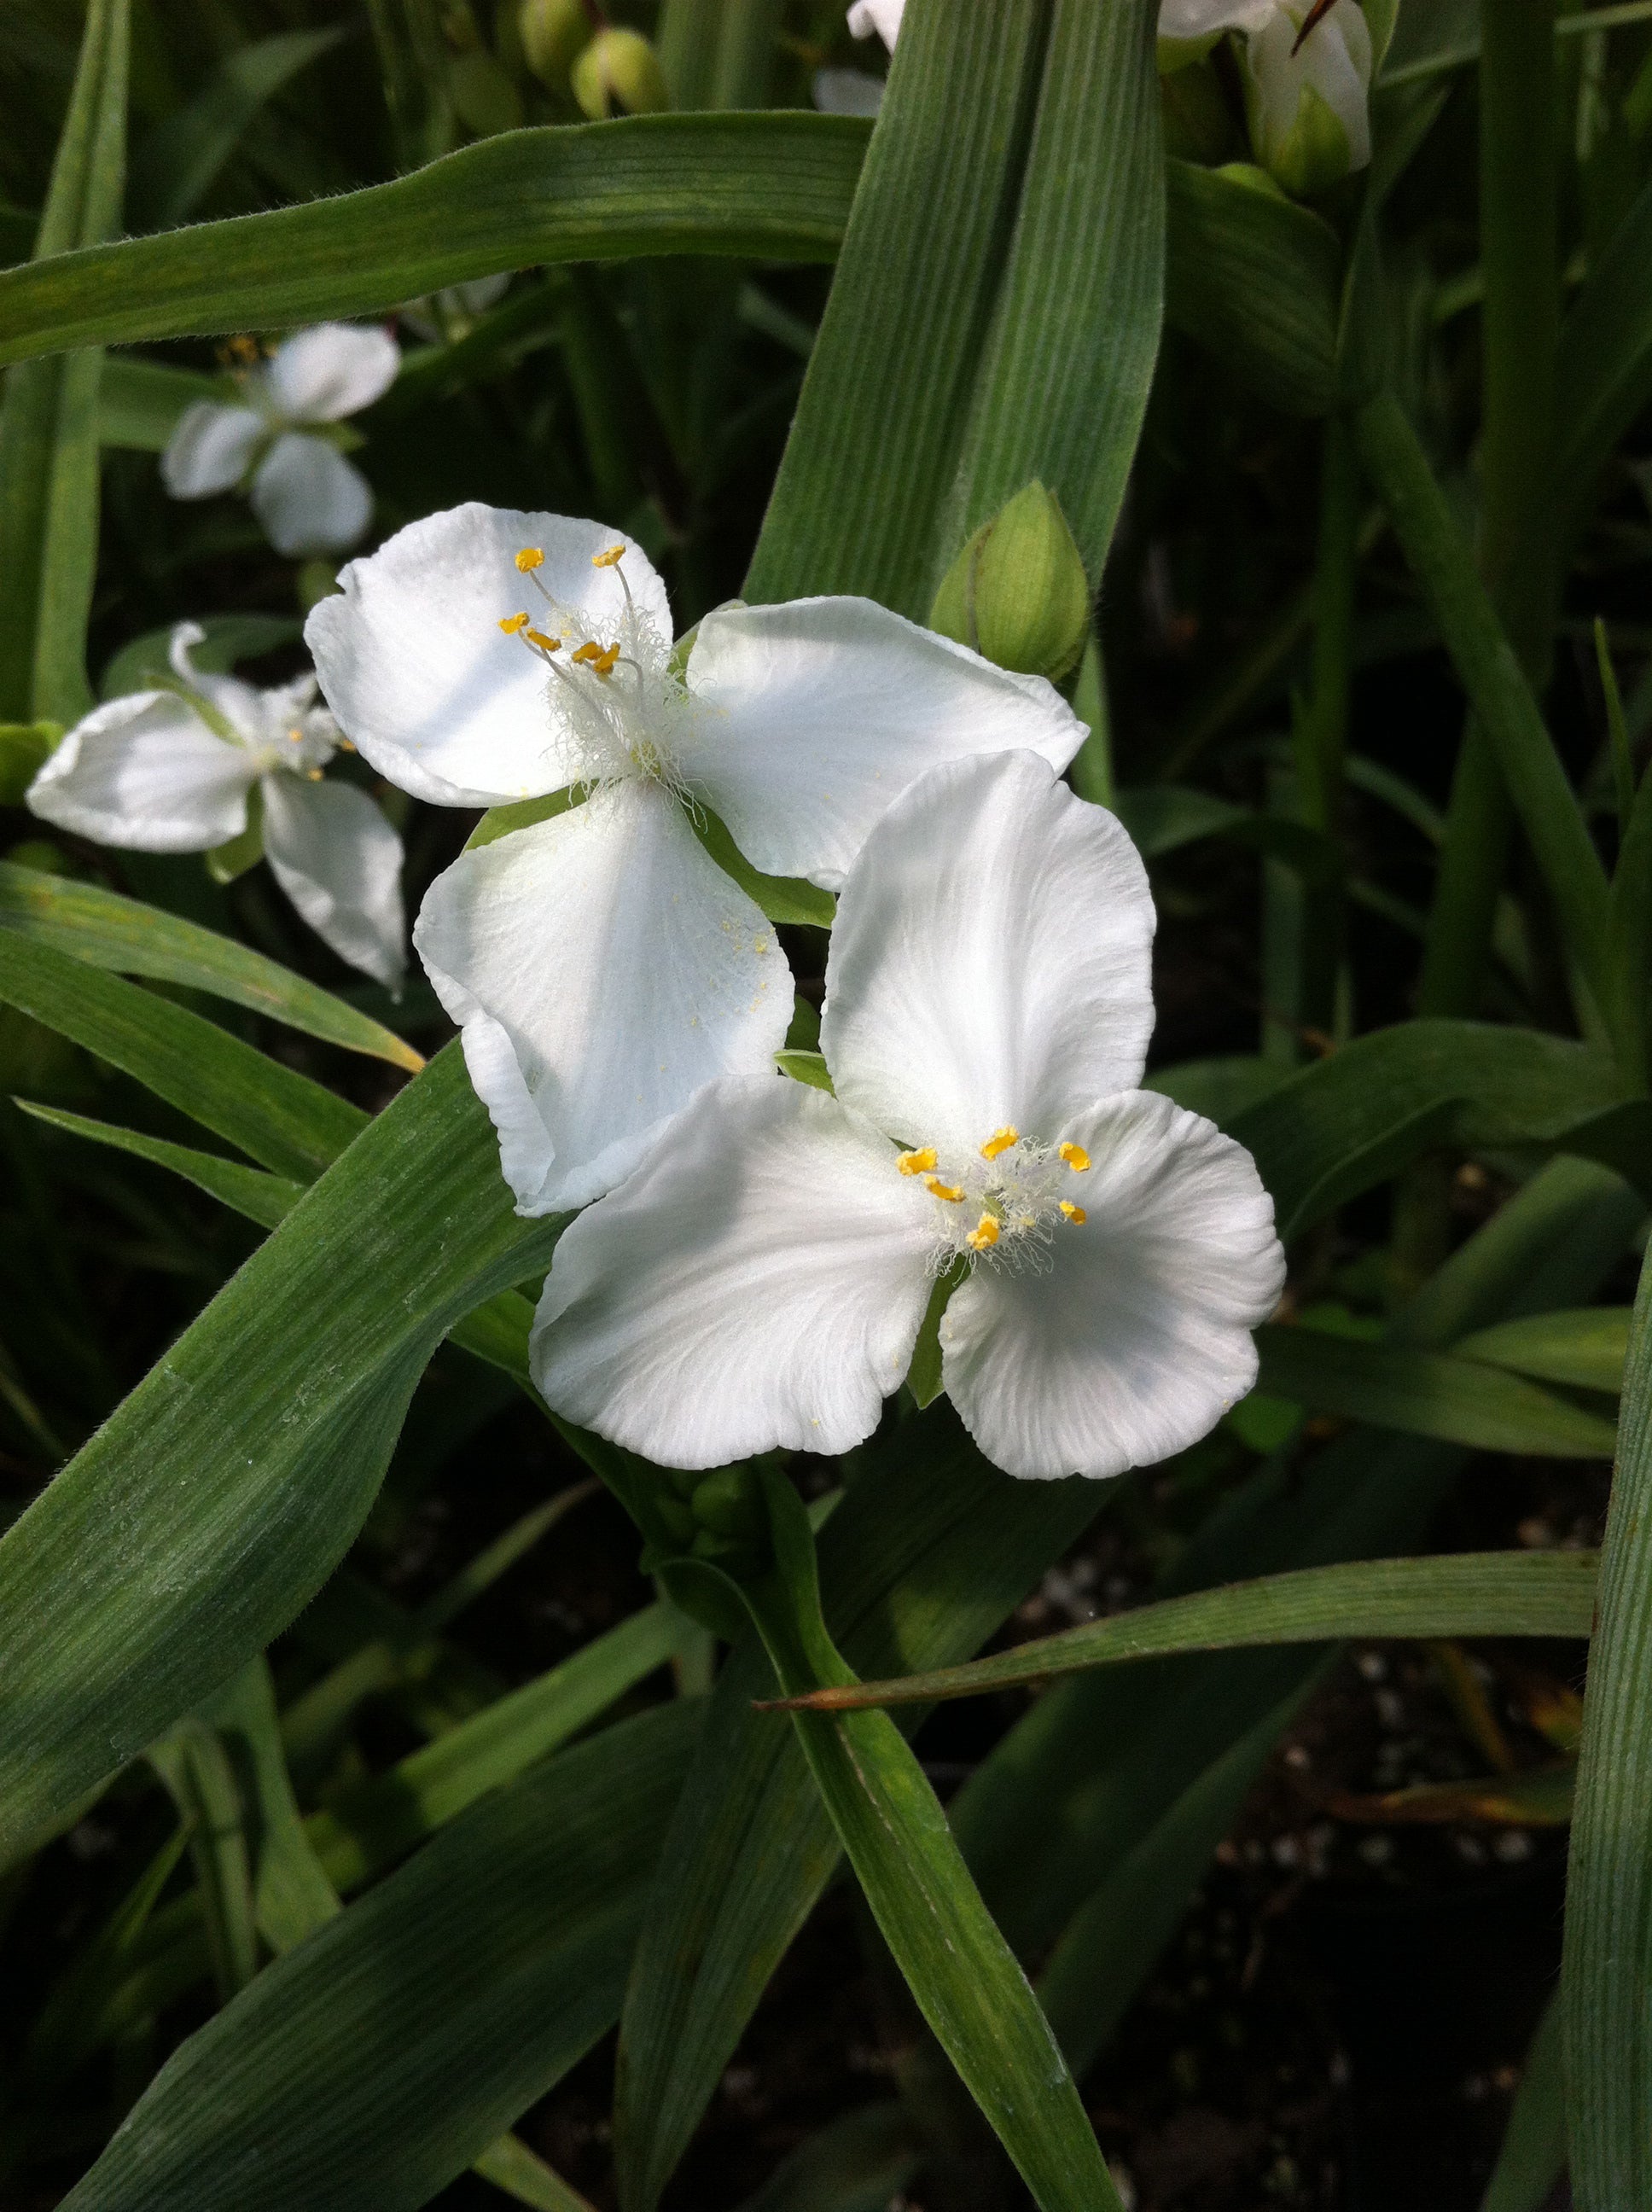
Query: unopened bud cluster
x=612, y=72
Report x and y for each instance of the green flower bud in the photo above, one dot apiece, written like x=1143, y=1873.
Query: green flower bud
x=619, y=71
x=553, y=32
x=727, y=1504
x=1017, y=593
x=487, y=101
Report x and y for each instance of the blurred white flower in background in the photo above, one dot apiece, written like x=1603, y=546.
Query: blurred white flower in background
x=176, y=771
x=1308, y=104
x=603, y=966
x=308, y=498
x=882, y=16
x=759, y=1281
x=853, y=91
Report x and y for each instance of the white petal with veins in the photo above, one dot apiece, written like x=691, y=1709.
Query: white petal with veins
x=758, y=1283
x=604, y=970
x=146, y=773
x=991, y=963
x=1135, y=1338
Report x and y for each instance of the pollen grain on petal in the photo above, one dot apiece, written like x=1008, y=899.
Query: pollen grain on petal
x=1001, y=1141
x=611, y=559
x=983, y=1235
x=1075, y=1214
x=949, y=1191
x=530, y=558
x=917, y=1162
x=1075, y=1156
x=511, y=624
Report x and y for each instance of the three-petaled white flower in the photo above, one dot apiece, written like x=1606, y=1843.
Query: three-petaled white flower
x=759, y=1282
x=1306, y=99
x=602, y=965
x=308, y=498
x=174, y=772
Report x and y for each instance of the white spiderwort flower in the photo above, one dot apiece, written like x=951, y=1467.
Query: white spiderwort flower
x=172, y=772
x=1308, y=104
x=602, y=966
x=308, y=498
x=759, y=1282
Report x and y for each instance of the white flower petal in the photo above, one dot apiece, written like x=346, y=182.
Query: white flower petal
x=604, y=970
x=335, y=369
x=991, y=958
x=1137, y=1341
x=757, y=1284
x=210, y=449
x=1334, y=60
x=308, y=497
x=415, y=667
x=883, y=16
x=1201, y=19
x=821, y=711
x=340, y=862
x=146, y=773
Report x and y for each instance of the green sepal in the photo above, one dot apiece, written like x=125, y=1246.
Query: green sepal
x=520, y=814
x=25, y=749
x=808, y=1068
x=1017, y=592
x=227, y=862
x=924, y=1376
x=782, y=898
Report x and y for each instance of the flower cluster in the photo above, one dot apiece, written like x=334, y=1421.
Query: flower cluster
x=757, y=1256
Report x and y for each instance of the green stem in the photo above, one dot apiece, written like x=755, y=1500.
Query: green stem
x=1498, y=689
x=1321, y=731
x=1520, y=334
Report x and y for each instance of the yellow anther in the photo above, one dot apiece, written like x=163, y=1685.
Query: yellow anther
x=1075, y=1156
x=589, y=651
x=313, y=773
x=604, y=662
x=294, y=736
x=1074, y=1213
x=531, y=557
x=345, y=744
x=511, y=623
x=611, y=559
x=1001, y=1141
x=545, y=644
x=937, y=1188
x=983, y=1235
x=915, y=1163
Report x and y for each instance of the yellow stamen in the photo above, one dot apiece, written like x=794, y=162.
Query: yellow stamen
x=611, y=559
x=1001, y=1141
x=531, y=557
x=345, y=744
x=294, y=736
x=915, y=1163
x=1075, y=1156
x=937, y=1188
x=315, y=774
x=511, y=624
x=600, y=658
x=983, y=1235
x=545, y=644
x=1074, y=1213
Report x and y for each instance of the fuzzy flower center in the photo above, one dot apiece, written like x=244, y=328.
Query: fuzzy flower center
x=613, y=702
x=1005, y=1202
